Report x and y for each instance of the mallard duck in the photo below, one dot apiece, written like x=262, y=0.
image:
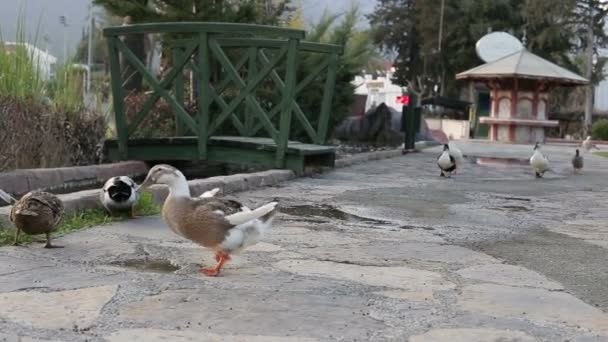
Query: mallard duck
x=588, y=144
x=446, y=162
x=457, y=154
x=577, y=161
x=226, y=226
x=119, y=194
x=37, y=212
x=539, y=163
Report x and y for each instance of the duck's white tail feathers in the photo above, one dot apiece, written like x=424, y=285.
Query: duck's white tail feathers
x=245, y=216
x=210, y=193
x=6, y=197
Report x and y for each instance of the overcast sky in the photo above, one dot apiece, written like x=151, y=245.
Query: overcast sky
x=47, y=12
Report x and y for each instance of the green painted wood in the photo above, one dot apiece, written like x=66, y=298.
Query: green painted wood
x=252, y=67
x=296, y=108
x=118, y=99
x=212, y=39
x=151, y=101
x=328, y=95
x=321, y=48
x=246, y=91
x=312, y=76
x=180, y=126
x=251, y=151
x=288, y=95
x=153, y=82
x=209, y=27
x=204, y=89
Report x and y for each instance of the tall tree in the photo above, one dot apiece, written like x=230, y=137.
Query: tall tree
x=395, y=31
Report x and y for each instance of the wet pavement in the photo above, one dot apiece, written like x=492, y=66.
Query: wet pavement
x=382, y=251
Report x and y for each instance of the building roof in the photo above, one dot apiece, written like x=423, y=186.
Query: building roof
x=524, y=64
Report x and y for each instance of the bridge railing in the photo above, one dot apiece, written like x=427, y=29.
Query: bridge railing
x=244, y=58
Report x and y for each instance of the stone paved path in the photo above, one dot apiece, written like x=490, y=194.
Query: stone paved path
x=384, y=251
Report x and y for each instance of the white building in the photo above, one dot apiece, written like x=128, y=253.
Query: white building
x=45, y=61
x=379, y=90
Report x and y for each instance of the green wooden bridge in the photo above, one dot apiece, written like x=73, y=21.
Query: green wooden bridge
x=231, y=62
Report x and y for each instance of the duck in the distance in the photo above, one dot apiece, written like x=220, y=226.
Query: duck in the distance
x=446, y=162
x=457, y=154
x=224, y=225
x=588, y=144
x=37, y=212
x=539, y=163
x=577, y=161
x=119, y=194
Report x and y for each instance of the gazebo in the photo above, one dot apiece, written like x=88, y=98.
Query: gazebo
x=519, y=85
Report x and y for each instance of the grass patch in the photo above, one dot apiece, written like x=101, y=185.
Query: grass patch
x=83, y=220
x=601, y=154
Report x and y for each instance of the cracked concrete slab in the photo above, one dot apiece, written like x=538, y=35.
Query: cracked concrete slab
x=473, y=335
x=537, y=305
x=509, y=275
x=154, y=335
x=419, y=284
x=54, y=310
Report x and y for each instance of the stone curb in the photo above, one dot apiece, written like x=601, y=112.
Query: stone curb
x=89, y=199
x=20, y=182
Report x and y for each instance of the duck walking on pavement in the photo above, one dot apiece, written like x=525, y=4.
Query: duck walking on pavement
x=226, y=226
x=446, y=162
x=577, y=161
x=37, y=212
x=539, y=163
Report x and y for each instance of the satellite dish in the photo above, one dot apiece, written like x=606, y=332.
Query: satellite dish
x=496, y=45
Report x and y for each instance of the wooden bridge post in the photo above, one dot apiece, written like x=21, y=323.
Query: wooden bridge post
x=180, y=126
x=252, y=70
x=120, y=120
x=286, y=105
x=328, y=95
x=204, y=94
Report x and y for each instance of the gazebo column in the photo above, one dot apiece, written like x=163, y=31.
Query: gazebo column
x=495, y=109
x=514, y=100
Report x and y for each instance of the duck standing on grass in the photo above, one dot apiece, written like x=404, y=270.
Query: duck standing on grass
x=223, y=225
x=539, y=163
x=119, y=194
x=577, y=162
x=37, y=212
x=446, y=162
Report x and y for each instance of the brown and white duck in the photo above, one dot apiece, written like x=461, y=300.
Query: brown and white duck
x=37, y=212
x=224, y=225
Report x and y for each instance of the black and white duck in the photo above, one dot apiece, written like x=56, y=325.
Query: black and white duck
x=446, y=162
x=119, y=194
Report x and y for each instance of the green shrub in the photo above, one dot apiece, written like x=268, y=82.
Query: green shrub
x=599, y=130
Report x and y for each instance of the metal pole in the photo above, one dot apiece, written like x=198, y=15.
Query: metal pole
x=589, y=73
x=90, y=49
x=439, y=44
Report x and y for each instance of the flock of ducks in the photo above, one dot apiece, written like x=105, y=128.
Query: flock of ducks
x=223, y=225
x=452, y=158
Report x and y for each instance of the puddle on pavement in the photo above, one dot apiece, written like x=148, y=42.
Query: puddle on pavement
x=499, y=162
x=511, y=208
x=148, y=265
x=326, y=211
x=514, y=198
x=409, y=227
